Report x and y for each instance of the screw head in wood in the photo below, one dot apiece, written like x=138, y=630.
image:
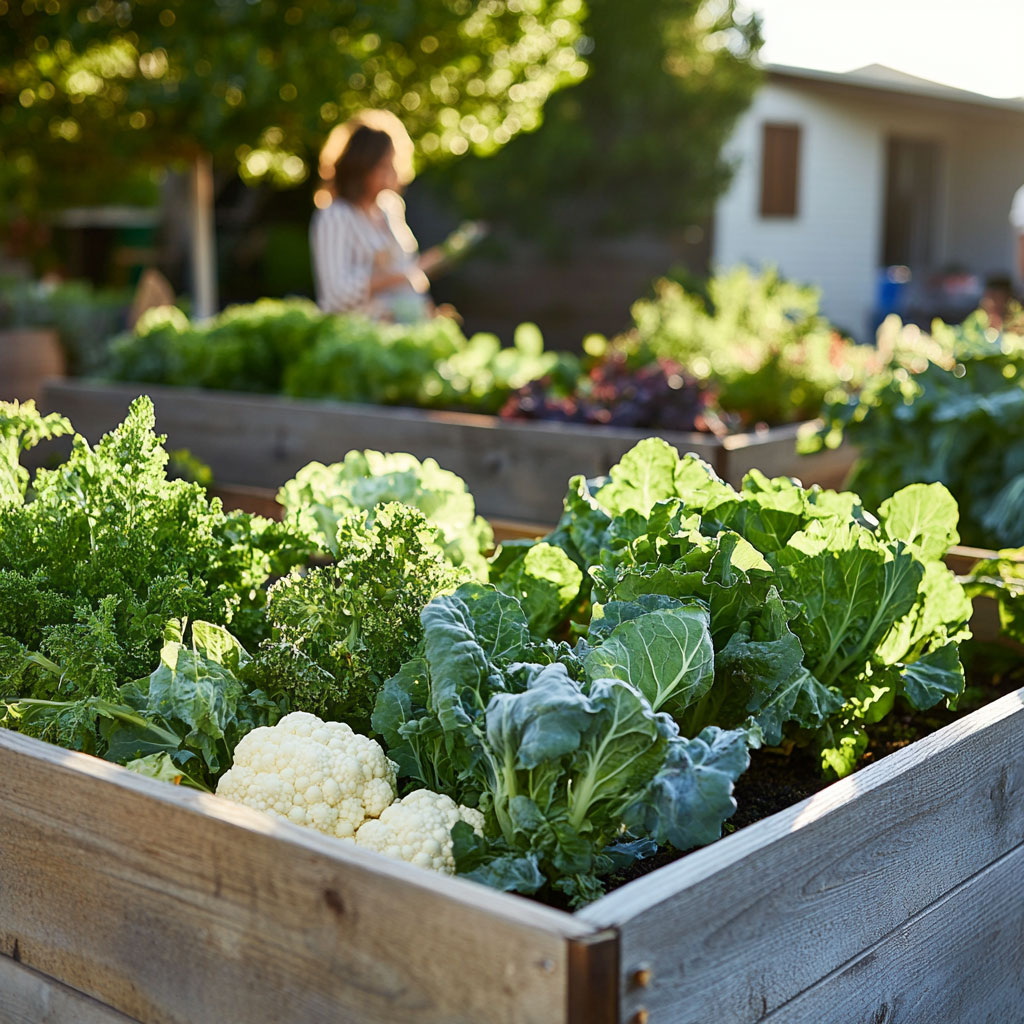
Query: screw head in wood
x=642, y=977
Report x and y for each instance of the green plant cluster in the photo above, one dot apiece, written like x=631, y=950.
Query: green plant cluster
x=820, y=614
x=947, y=408
x=595, y=699
x=98, y=555
x=290, y=347
x=318, y=497
x=756, y=339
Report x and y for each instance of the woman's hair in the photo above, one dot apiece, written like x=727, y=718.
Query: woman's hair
x=335, y=150
x=366, y=148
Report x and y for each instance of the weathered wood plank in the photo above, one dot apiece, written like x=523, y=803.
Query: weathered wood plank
x=176, y=907
x=961, y=961
x=773, y=452
x=738, y=929
x=28, y=997
x=515, y=470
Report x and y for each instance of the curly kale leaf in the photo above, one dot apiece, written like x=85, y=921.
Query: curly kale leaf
x=340, y=631
x=108, y=526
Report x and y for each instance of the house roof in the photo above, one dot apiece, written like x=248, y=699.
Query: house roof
x=878, y=78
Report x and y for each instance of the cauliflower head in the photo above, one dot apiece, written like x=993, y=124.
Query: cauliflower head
x=311, y=772
x=418, y=829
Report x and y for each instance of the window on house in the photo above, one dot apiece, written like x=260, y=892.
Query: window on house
x=780, y=170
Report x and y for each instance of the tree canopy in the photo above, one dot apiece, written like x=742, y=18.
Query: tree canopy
x=90, y=89
x=638, y=142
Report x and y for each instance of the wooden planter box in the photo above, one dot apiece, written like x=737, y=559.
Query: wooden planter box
x=892, y=896
x=514, y=470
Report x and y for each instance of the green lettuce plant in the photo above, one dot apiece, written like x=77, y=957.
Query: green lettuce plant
x=318, y=497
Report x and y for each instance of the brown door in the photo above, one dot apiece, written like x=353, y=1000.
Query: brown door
x=911, y=203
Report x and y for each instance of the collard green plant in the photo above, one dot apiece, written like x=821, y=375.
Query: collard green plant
x=948, y=409
x=575, y=769
x=819, y=614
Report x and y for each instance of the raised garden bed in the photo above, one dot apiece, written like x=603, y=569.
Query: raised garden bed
x=890, y=896
x=514, y=470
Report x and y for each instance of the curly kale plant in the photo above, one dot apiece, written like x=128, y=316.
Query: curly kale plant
x=339, y=631
x=98, y=554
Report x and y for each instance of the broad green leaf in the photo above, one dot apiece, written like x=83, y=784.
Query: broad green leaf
x=608, y=617
x=624, y=747
x=545, y=581
x=667, y=655
x=689, y=799
x=924, y=517
x=543, y=723
x=644, y=476
x=934, y=676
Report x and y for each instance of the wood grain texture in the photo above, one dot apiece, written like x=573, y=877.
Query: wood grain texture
x=736, y=930
x=960, y=961
x=28, y=997
x=514, y=470
x=176, y=907
x=774, y=453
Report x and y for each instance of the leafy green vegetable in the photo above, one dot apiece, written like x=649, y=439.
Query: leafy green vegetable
x=183, y=720
x=102, y=551
x=947, y=408
x=21, y=428
x=758, y=339
x=339, y=631
x=570, y=767
x=318, y=496
x=817, y=615
x=290, y=347
x=1002, y=578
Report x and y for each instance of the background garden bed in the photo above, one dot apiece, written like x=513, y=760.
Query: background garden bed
x=514, y=470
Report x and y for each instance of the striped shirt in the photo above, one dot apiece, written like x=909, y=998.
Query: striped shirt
x=348, y=245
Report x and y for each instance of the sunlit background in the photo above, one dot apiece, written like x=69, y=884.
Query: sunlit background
x=975, y=46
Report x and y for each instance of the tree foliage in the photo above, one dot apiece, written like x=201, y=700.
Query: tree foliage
x=89, y=88
x=638, y=142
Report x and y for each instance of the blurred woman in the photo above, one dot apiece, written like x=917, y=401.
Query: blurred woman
x=365, y=258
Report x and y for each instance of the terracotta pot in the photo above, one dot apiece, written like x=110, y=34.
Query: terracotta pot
x=28, y=356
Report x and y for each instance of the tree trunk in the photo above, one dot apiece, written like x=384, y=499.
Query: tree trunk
x=204, y=244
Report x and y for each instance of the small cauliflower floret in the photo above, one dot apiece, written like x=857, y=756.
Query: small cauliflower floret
x=311, y=772
x=418, y=829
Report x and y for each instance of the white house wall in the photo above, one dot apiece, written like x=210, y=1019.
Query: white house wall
x=835, y=241
x=986, y=169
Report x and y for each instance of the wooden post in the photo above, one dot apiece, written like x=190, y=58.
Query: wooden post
x=203, y=238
